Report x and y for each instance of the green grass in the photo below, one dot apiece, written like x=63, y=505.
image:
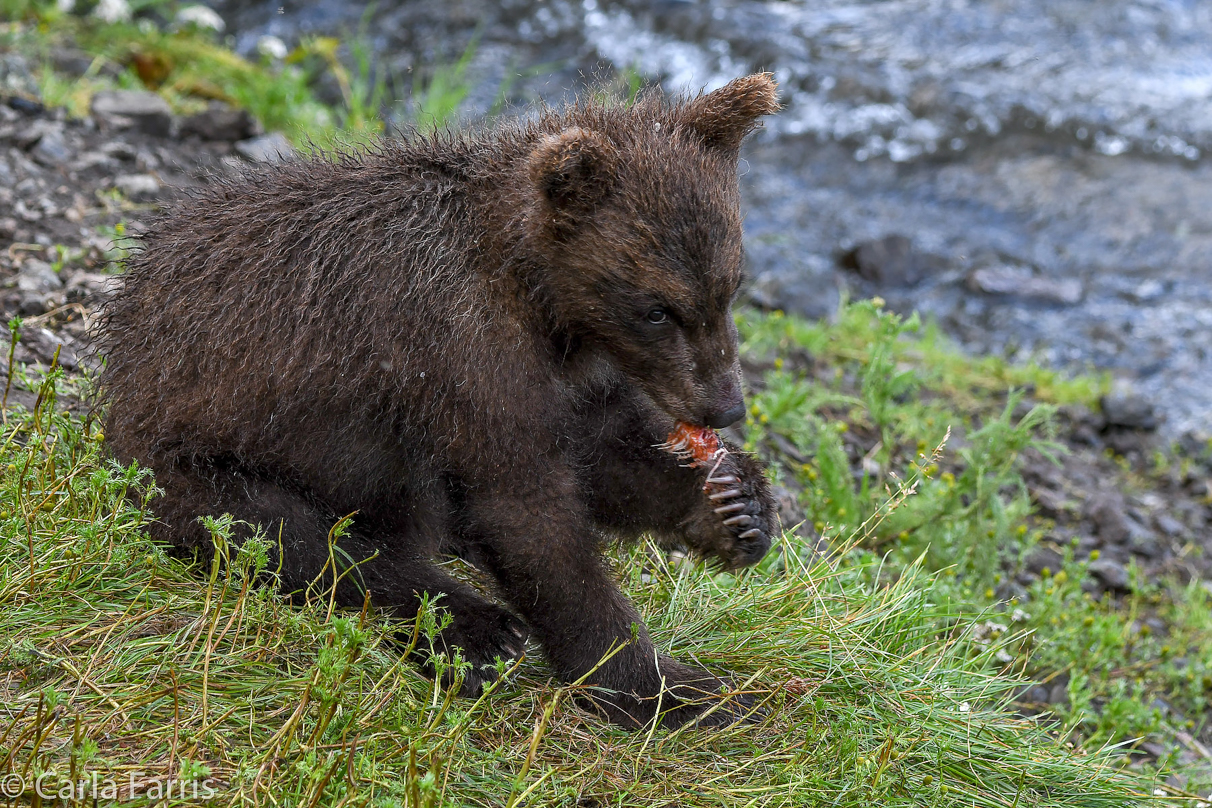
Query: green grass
x=119, y=659
x=850, y=410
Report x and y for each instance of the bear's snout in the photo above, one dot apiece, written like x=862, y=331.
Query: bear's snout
x=727, y=406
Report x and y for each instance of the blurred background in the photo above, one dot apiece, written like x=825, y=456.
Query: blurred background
x=1033, y=175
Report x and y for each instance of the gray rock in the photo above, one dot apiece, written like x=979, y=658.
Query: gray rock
x=119, y=150
x=44, y=343
x=1169, y=525
x=16, y=78
x=1043, y=558
x=888, y=261
x=1111, y=574
x=32, y=304
x=138, y=187
x=84, y=285
x=1106, y=511
x=220, y=122
x=75, y=62
x=146, y=111
x=1128, y=409
x=38, y=277
x=1020, y=282
x=1143, y=543
x=271, y=148
x=52, y=149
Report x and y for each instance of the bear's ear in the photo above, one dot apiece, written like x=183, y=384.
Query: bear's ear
x=722, y=118
x=573, y=171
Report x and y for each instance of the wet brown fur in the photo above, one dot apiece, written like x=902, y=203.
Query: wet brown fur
x=449, y=337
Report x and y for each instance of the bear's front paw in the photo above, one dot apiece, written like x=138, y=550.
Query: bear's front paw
x=738, y=516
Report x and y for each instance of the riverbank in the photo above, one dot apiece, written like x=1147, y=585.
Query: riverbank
x=972, y=624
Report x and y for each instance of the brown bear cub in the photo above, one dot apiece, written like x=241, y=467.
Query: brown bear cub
x=475, y=343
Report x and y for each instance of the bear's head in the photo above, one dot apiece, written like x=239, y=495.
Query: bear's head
x=635, y=214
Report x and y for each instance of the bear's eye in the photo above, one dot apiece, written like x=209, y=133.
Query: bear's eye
x=657, y=316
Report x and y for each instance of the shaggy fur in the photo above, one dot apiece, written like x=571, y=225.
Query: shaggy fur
x=474, y=342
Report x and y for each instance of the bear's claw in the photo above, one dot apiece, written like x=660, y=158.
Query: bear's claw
x=733, y=508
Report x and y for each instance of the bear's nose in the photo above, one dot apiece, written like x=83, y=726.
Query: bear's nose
x=728, y=417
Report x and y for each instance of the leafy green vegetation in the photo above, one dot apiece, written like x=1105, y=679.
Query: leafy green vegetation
x=848, y=411
x=121, y=661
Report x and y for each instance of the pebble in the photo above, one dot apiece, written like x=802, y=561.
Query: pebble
x=1128, y=409
x=888, y=261
x=52, y=149
x=1143, y=543
x=16, y=78
x=84, y=285
x=1111, y=574
x=138, y=187
x=270, y=148
x=1043, y=558
x=1169, y=525
x=220, y=122
x=1106, y=511
x=38, y=277
x=1020, y=282
x=146, y=111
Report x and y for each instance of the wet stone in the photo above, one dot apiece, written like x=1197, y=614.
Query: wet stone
x=1020, y=282
x=52, y=149
x=1129, y=409
x=1043, y=558
x=271, y=148
x=1169, y=525
x=220, y=122
x=38, y=277
x=1112, y=575
x=138, y=187
x=888, y=261
x=1106, y=511
x=146, y=111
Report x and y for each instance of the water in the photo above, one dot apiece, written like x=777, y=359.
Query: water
x=1060, y=144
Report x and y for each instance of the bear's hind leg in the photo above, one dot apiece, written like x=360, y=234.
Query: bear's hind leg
x=394, y=567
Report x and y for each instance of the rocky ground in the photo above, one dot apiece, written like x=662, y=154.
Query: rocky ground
x=71, y=191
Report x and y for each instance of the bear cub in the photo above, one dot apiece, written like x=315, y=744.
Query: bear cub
x=473, y=342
